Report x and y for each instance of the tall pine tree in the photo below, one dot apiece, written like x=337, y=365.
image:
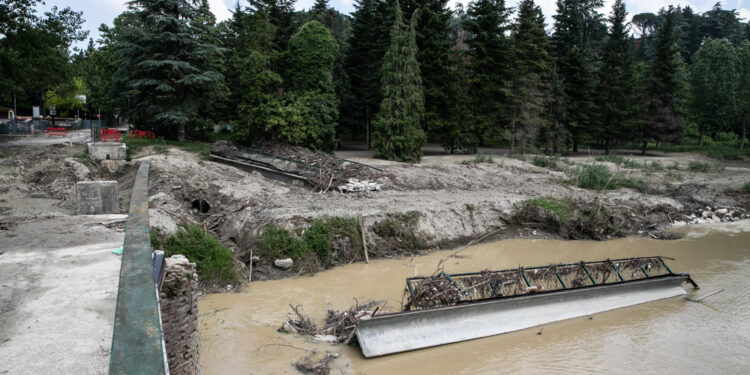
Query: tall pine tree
x=167, y=65
x=572, y=39
x=743, y=92
x=616, y=93
x=530, y=74
x=665, y=92
x=489, y=55
x=398, y=128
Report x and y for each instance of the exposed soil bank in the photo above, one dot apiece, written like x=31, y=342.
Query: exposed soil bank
x=443, y=202
x=446, y=201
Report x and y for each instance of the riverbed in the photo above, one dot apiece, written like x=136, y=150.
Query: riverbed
x=238, y=330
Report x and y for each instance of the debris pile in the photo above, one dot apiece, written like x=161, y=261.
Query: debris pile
x=339, y=326
x=322, y=171
x=716, y=215
x=314, y=366
x=443, y=289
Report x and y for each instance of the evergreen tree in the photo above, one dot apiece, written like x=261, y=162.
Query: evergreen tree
x=311, y=54
x=616, y=81
x=367, y=46
x=530, y=74
x=434, y=59
x=458, y=133
x=320, y=7
x=398, y=127
x=714, y=78
x=665, y=91
x=743, y=88
x=167, y=65
x=489, y=54
x=572, y=39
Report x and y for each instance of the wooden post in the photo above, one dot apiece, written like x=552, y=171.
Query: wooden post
x=364, y=240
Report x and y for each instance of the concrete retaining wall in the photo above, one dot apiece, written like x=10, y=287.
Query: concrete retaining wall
x=97, y=198
x=179, y=314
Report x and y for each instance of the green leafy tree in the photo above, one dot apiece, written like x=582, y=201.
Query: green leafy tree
x=398, y=128
x=616, y=90
x=666, y=91
x=167, y=65
x=743, y=86
x=530, y=74
x=714, y=78
x=489, y=56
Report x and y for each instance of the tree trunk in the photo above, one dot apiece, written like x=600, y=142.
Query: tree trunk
x=556, y=137
x=512, y=137
x=367, y=128
x=575, y=143
x=606, y=147
x=643, y=148
x=744, y=132
x=181, y=132
x=700, y=137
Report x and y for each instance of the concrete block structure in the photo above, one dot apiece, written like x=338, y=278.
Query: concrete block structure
x=97, y=198
x=111, y=154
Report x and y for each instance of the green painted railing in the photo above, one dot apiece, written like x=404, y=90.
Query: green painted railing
x=138, y=342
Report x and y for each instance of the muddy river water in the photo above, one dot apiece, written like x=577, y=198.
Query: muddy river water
x=674, y=336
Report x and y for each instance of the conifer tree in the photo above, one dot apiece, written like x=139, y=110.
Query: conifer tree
x=743, y=88
x=166, y=64
x=714, y=78
x=530, y=74
x=398, y=127
x=616, y=81
x=367, y=46
x=458, y=132
x=489, y=54
x=572, y=39
x=665, y=91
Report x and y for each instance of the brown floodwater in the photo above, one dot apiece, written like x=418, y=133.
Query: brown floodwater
x=674, y=336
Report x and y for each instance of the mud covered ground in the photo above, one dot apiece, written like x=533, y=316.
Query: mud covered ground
x=443, y=202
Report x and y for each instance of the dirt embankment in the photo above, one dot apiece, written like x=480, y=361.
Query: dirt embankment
x=442, y=202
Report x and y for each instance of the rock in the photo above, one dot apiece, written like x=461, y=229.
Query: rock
x=679, y=224
x=708, y=208
x=229, y=287
x=705, y=214
x=722, y=211
x=157, y=196
x=287, y=328
x=285, y=264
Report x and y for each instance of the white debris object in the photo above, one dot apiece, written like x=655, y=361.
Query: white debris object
x=285, y=263
x=355, y=185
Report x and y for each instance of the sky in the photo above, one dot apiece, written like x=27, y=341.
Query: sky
x=97, y=12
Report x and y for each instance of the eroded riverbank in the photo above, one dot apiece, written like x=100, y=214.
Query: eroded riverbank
x=238, y=330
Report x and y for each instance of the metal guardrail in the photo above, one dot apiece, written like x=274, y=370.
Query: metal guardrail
x=138, y=341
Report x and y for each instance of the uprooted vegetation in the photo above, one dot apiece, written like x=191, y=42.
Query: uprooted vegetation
x=400, y=232
x=338, y=326
x=578, y=219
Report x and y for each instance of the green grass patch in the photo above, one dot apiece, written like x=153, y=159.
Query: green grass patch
x=598, y=177
x=559, y=207
x=746, y=187
x=701, y=166
x=321, y=240
x=161, y=145
x=630, y=163
x=213, y=260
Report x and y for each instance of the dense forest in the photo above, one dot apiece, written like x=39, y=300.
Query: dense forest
x=394, y=74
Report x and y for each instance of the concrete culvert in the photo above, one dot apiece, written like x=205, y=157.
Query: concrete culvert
x=201, y=205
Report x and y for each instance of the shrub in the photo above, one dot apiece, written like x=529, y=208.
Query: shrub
x=318, y=239
x=277, y=242
x=595, y=177
x=480, y=158
x=559, y=207
x=724, y=153
x=746, y=187
x=213, y=260
x=402, y=228
x=545, y=161
x=632, y=164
